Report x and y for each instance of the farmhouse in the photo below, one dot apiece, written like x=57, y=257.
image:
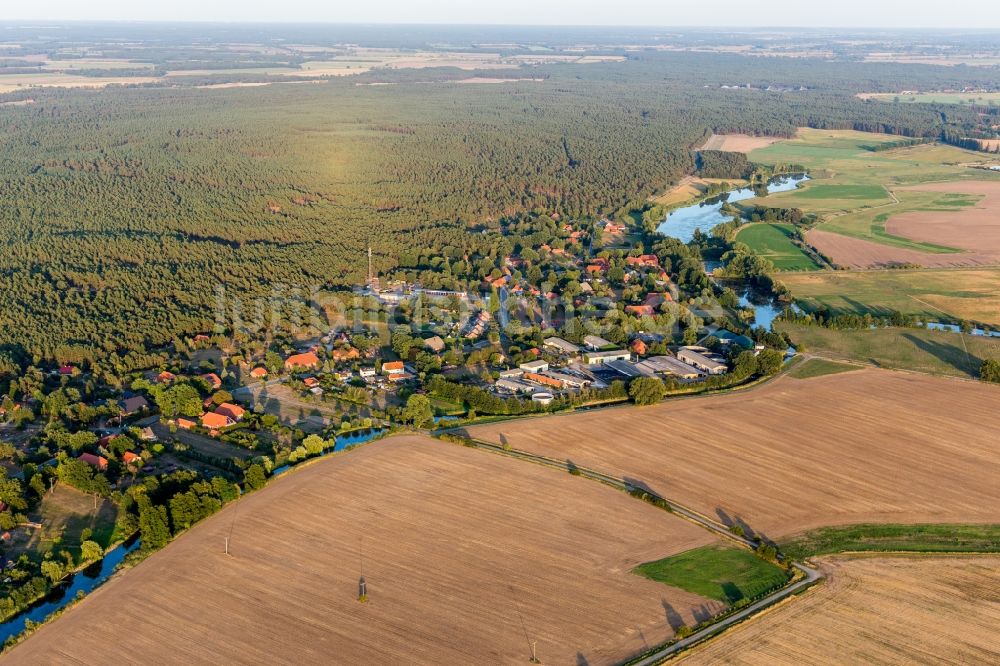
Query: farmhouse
x=134, y=405
x=594, y=342
x=366, y=373
x=542, y=380
x=561, y=346
x=534, y=366
x=228, y=409
x=602, y=357
x=345, y=354
x=302, y=361
x=215, y=421
x=513, y=385
x=695, y=356
x=626, y=368
x=98, y=462
x=668, y=365
x=213, y=380
x=571, y=381
x=435, y=344
x=393, y=368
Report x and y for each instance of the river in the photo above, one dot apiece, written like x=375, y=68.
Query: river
x=85, y=580
x=683, y=222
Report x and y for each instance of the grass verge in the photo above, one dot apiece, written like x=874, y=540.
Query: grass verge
x=925, y=538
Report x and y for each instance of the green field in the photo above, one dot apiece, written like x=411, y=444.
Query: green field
x=866, y=192
x=936, y=295
x=920, y=350
x=854, y=190
x=912, y=538
x=968, y=99
x=773, y=241
x=723, y=573
x=819, y=367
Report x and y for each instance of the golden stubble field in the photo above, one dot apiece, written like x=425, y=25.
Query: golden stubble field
x=738, y=143
x=468, y=556
x=876, y=610
x=796, y=454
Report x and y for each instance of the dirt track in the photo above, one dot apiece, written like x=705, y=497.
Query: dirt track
x=458, y=544
x=895, y=610
x=863, y=446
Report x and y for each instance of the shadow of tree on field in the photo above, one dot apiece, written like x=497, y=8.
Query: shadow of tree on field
x=674, y=619
x=952, y=355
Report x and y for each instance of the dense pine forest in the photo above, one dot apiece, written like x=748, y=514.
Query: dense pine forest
x=124, y=209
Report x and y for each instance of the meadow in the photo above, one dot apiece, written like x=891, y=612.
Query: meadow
x=773, y=242
x=468, y=557
x=914, y=349
x=869, y=446
x=967, y=99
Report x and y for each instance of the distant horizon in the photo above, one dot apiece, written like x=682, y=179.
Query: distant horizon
x=650, y=14
x=736, y=29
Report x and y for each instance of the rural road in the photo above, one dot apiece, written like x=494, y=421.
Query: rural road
x=810, y=575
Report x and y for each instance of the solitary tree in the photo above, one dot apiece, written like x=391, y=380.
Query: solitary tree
x=418, y=411
x=989, y=371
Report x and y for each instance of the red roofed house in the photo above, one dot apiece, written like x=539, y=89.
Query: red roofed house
x=66, y=370
x=185, y=424
x=228, y=409
x=213, y=380
x=646, y=260
x=128, y=458
x=104, y=441
x=99, y=462
x=302, y=361
x=640, y=310
x=215, y=421
x=258, y=373
x=310, y=382
x=201, y=337
x=165, y=377
x=638, y=347
x=393, y=368
x=342, y=354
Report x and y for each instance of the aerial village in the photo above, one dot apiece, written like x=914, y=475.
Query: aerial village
x=554, y=316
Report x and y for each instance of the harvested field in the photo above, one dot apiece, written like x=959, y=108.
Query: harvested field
x=877, y=610
x=975, y=229
x=860, y=253
x=459, y=546
x=858, y=447
x=738, y=143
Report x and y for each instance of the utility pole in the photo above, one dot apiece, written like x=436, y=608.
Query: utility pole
x=227, y=545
